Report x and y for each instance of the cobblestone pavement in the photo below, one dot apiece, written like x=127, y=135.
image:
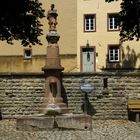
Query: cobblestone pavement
x=102, y=130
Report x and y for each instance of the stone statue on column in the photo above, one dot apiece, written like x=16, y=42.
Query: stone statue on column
x=53, y=101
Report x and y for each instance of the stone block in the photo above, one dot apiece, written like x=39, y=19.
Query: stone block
x=35, y=123
x=74, y=121
x=69, y=121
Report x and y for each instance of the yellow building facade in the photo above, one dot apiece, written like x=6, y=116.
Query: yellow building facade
x=89, y=40
x=96, y=22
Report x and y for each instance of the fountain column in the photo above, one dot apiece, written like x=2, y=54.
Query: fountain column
x=53, y=69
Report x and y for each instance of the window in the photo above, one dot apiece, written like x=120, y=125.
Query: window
x=27, y=53
x=89, y=23
x=113, y=22
x=114, y=53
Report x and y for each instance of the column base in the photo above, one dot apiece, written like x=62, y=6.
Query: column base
x=53, y=106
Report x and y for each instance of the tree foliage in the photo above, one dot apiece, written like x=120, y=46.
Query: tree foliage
x=20, y=20
x=129, y=19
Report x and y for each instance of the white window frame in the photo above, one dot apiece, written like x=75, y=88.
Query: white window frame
x=89, y=23
x=113, y=52
x=112, y=22
x=27, y=56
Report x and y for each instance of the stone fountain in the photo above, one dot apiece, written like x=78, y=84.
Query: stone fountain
x=53, y=112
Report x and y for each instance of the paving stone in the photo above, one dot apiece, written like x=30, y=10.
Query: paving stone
x=101, y=130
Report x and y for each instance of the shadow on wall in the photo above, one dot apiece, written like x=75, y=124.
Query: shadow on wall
x=128, y=60
x=0, y=115
x=87, y=107
x=64, y=94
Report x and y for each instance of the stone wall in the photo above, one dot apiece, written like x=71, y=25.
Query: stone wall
x=22, y=93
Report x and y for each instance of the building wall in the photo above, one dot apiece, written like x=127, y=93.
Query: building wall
x=22, y=93
x=67, y=11
x=70, y=27
x=19, y=64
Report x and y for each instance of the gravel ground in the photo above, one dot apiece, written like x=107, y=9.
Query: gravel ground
x=102, y=130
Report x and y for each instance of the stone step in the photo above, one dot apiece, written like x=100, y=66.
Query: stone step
x=62, y=110
x=55, y=100
x=61, y=105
